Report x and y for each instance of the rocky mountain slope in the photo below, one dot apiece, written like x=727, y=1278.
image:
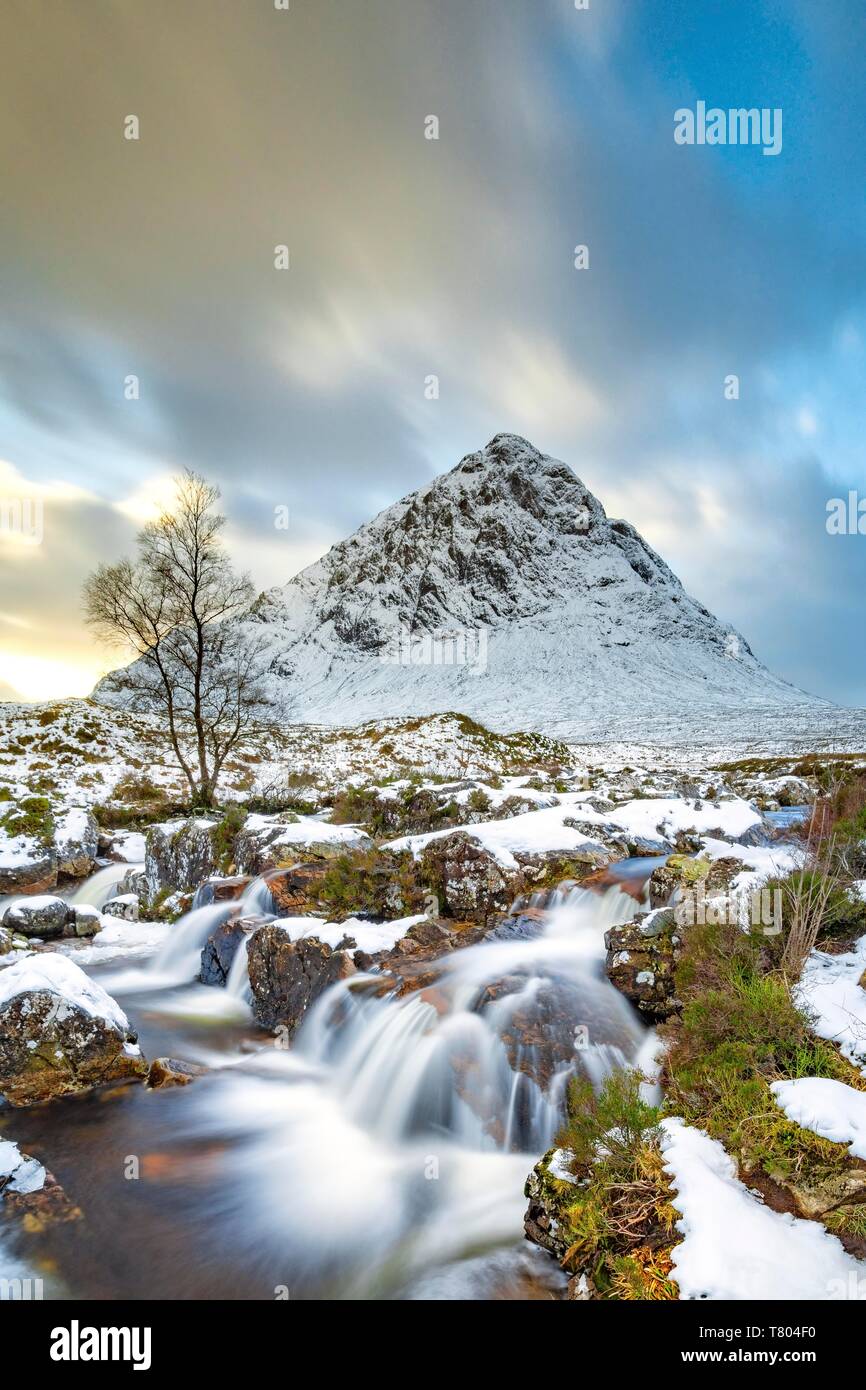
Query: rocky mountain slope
x=504, y=591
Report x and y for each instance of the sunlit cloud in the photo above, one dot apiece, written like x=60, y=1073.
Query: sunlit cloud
x=149, y=501
x=43, y=678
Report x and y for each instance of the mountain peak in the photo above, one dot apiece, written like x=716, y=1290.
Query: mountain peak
x=585, y=630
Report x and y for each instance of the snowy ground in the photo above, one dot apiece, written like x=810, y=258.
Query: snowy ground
x=733, y=1246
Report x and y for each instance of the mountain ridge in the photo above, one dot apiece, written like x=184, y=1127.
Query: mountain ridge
x=502, y=589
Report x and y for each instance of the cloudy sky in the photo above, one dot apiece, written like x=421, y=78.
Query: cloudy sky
x=304, y=388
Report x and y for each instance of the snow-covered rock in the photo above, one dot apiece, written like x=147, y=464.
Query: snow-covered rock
x=503, y=590
x=18, y=1172
x=27, y=864
x=266, y=841
x=86, y=920
x=43, y=916
x=179, y=855
x=60, y=1032
x=125, y=906
x=76, y=839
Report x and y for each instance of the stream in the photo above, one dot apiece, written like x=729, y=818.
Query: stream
x=383, y=1156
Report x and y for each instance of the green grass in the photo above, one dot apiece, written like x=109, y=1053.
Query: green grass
x=30, y=816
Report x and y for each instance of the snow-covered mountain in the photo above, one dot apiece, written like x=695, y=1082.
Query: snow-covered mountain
x=504, y=591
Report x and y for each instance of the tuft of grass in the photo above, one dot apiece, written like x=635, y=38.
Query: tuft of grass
x=31, y=816
x=619, y=1217
x=224, y=835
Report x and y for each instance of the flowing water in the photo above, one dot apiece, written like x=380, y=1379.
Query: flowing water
x=383, y=1155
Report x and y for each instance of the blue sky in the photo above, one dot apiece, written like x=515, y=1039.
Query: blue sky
x=409, y=257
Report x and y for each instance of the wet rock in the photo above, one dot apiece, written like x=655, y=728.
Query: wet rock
x=287, y=976
x=171, y=908
x=221, y=890
x=671, y=878
x=76, y=839
x=641, y=960
x=60, y=1032
x=166, y=1071
x=125, y=907
x=295, y=891
x=221, y=947
x=430, y=933
x=45, y=917
x=30, y=1192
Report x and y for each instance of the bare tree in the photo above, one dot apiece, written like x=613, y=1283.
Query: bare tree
x=172, y=606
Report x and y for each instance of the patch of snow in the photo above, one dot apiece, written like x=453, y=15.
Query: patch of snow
x=370, y=936
x=827, y=1107
x=830, y=994
x=558, y=1166
x=116, y=939
x=649, y=817
x=733, y=1246
x=24, y=1174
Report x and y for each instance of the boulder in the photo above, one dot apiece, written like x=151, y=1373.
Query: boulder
x=30, y=1192
x=122, y=846
x=295, y=891
x=46, y=917
x=680, y=871
x=268, y=841
x=287, y=976
x=27, y=868
x=28, y=856
x=178, y=856
x=470, y=882
x=641, y=960
x=76, y=839
x=86, y=920
x=549, y=1189
x=125, y=907
x=221, y=947
x=133, y=881
x=60, y=1033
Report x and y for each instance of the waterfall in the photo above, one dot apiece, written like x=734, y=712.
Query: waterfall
x=485, y=1054
x=178, y=961
x=408, y=1124
x=101, y=886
